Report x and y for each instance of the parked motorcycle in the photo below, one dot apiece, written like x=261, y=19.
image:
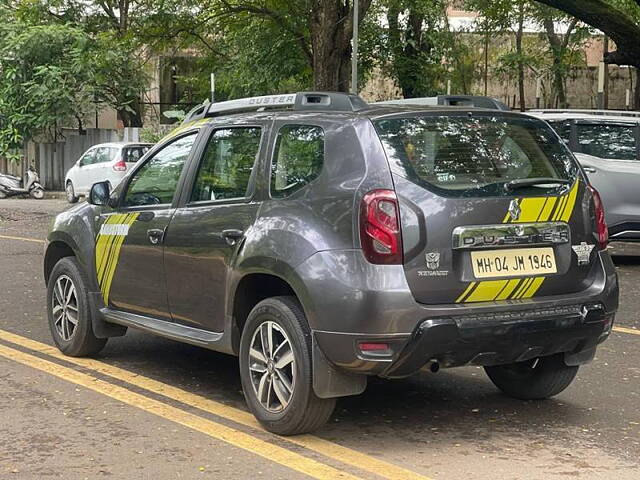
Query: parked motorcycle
x=11, y=186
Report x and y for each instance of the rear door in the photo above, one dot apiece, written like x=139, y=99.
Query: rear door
x=82, y=179
x=130, y=245
x=467, y=236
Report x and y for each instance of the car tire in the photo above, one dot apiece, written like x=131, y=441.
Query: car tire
x=37, y=193
x=533, y=379
x=64, y=306
x=71, y=194
x=301, y=411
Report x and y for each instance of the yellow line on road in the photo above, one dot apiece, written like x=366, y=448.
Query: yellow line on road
x=317, y=444
x=626, y=330
x=215, y=430
x=23, y=239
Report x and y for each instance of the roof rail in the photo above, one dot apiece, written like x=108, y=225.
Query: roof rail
x=605, y=113
x=451, y=100
x=301, y=101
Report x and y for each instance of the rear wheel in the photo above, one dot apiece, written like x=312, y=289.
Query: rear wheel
x=68, y=310
x=37, y=193
x=533, y=379
x=71, y=194
x=276, y=369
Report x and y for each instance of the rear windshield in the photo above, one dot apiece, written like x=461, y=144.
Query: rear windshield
x=474, y=154
x=133, y=154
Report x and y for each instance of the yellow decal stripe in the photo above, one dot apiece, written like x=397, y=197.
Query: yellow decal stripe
x=570, y=203
x=486, y=291
x=531, y=208
x=466, y=292
x=106, y=289
x=105, y=243
x=533, y=288
x=545, y=214
x=508, y=289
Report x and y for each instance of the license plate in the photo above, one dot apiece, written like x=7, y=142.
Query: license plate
x=513, y=263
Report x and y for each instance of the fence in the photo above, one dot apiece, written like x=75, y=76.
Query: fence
x=53, y=160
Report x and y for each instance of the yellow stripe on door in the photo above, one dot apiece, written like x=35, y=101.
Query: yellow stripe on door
x=108, y=252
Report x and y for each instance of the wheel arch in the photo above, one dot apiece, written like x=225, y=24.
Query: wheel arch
x=57, y=249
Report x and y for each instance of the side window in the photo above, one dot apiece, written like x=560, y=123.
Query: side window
x=608, y=141
x=227, y=163
x=133, y=154
x=87, y=158
x=104, y=154
x=297, y=159
x=156, y=182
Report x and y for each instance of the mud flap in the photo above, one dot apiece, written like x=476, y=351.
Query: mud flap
x=329, y=382
x=102, y=328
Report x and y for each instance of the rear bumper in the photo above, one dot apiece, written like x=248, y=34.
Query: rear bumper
x=484, y=333
x=489, y=339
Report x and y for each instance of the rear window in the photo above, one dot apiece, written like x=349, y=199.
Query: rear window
x=469, y=155
x=607, y=140
x=133, y=154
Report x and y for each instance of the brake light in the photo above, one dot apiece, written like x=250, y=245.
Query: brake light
x=380, y=227
x=602, y=231
x=120, y=166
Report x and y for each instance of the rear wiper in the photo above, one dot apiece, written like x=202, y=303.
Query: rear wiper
x=531, y=182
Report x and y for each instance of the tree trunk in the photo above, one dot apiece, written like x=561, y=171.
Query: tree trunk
x=519, y=36
x=613, y=22
x=557, y=48
x=636, y=94
x=131, y=119
x=331, y=27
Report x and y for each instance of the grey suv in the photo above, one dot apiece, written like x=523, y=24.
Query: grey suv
x=323, y=240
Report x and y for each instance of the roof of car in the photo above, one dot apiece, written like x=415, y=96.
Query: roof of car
x=122, y=144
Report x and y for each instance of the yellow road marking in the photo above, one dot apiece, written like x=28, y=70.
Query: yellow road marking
x=215, y=430
x=626, y=330
x=317, y=444
x=24, y=239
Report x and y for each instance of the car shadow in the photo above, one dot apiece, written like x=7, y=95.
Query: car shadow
x=458, y=405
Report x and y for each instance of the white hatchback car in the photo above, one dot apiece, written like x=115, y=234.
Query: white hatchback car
x=104, y=162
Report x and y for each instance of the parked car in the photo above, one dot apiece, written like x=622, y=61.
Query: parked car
x=324, y=240
x=104, y=162
x=607, y=147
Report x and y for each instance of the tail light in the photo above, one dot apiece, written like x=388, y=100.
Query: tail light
x=380, y=227
x=120, y=166
x=602, y=231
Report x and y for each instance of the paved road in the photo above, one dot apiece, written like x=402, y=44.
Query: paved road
x=152, y=408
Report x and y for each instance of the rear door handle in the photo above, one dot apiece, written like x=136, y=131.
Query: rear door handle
x=156, y=235
x=232, y=235
x=590, y=169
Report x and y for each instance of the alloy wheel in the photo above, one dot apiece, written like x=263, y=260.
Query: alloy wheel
x=64, y=305
x=272, y=367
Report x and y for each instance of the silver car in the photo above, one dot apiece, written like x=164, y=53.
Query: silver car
x=607, y=146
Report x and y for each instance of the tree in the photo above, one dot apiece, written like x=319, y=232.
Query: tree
x=417, y=40
x=322, y=30
x=45, y=81
x=618, y=19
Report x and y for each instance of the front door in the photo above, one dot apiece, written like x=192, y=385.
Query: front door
x=129, y=249
x=205, y=235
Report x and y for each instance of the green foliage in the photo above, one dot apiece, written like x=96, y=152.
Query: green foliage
x=44, y=80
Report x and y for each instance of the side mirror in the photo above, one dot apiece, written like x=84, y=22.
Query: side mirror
x=99, y=194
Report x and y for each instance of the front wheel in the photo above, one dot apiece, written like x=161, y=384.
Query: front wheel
x=68, y=310
x=276, y=369
x=535, y=379
x=37, y=193
x=71, y=193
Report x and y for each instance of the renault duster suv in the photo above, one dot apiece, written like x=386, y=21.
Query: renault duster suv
x=323, y=240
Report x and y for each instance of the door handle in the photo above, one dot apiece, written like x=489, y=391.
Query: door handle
x=156, y=235
x=590, y=169
x=232, y=235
